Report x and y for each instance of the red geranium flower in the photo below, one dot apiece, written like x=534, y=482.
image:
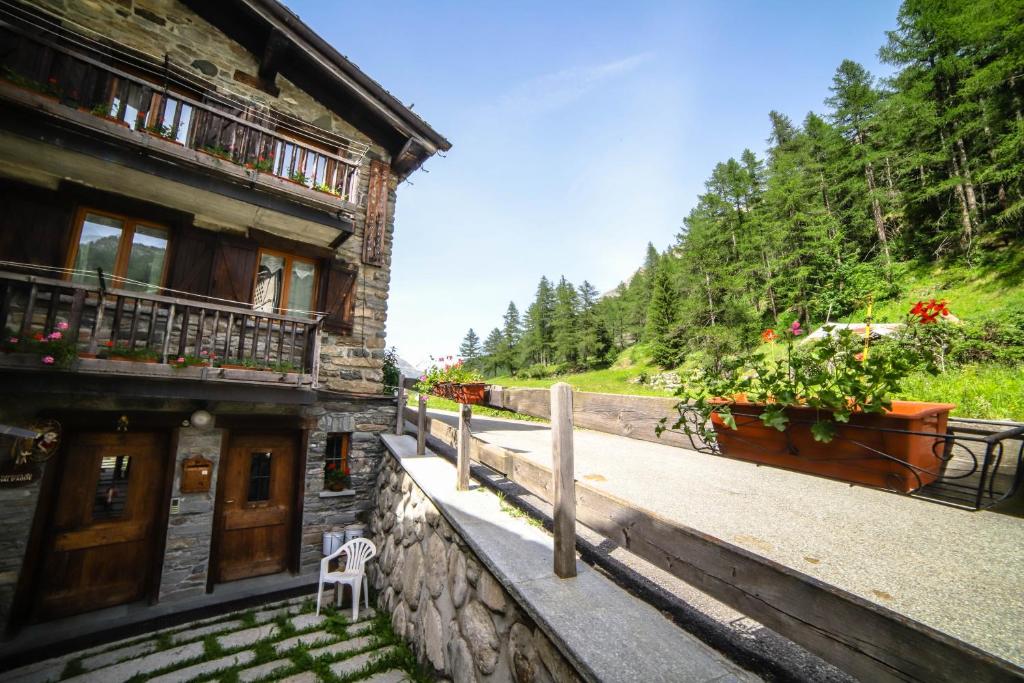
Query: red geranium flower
x=769, y=335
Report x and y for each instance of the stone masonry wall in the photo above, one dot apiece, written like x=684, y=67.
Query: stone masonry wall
x=323, y=510
x=349, y=363
x=456, y=616
x=187, y=555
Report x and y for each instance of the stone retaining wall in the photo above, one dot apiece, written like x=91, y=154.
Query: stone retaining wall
x=457, y=617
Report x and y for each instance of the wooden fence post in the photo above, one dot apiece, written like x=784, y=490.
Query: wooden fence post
x=400, y=418
x=421, y=425
x=462, y=447
x=564, y=480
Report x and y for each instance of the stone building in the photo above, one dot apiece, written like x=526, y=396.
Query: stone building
x=198, y=202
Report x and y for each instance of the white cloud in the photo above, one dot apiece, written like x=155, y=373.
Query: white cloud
x=555, y=90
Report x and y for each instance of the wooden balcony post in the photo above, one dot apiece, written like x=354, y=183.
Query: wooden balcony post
x=564, y=485
x=400, y=402
x=421, y=424
x=462, y=464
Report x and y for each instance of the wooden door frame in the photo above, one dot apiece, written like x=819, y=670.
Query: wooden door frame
x=299, y=429
x=41, y=532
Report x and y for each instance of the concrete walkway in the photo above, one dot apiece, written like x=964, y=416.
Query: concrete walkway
x=957, y=571
x=280, y=642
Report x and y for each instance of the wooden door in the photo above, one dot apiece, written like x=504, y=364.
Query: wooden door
x=257, y=491
x=103, y=534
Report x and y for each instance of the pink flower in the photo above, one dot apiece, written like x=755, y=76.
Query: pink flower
x=48, y=360
x=423, y=378
x=181, y=359
x=13, y=340
x=794, y=329
x=62, y=325
x=54, y=336
x=204, y=352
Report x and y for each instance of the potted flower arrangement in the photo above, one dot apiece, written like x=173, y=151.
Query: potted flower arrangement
x=53, y=349
x=824, y=407
x=336, y=477
x=169, y=133
x=218, y=151
x=103, y=111
x=326, y=189
x=122, y=351
x=453, y=381
x=299, y=178
x=204, y=359
x=262, y=163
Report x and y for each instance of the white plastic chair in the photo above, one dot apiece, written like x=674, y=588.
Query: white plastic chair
x=357, y=552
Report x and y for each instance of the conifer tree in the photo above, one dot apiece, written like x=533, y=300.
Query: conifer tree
x=469, y=350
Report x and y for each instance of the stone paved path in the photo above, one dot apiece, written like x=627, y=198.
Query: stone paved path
x=958, y=571
x=284, y=641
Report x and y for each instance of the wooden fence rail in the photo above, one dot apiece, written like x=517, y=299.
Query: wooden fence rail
x=867, y=640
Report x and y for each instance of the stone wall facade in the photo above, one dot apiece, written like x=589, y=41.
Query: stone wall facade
x=187, y=551
x=457, y=617
x=350, y=363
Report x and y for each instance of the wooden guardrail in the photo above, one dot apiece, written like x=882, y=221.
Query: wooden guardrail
x=867, y=640
x=621, y=414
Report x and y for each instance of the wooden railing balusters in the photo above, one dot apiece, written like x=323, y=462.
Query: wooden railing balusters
x=75, y=316
x=97, y=322
x=280, y=342
x=151, y=324
x=115, y=325
x=200, y=332
x=241, y=336
x=267, y=343
x=291, y=346
x=135, y=323
x=5, y=304
x=216, y=331
x=30, y=305
x=186, y=314
x=227, y=336
x=51, y=310
x=168, y=330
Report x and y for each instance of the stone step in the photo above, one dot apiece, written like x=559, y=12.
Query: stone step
x=304, y=621
x=349, y=666
x=202, y=668
x=304, y=677
x=263, y=670
x=151, y=662
x=307, y=639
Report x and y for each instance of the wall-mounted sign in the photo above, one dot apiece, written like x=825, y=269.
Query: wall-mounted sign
x=21, y=468
x=196, y=474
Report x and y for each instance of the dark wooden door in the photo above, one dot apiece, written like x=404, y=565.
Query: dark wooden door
x=99, y=551
x=257, y=490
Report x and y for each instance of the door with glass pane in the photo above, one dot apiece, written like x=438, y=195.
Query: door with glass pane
x=99, y=550
x=256, y=506
x=284, y=284
x=131, y=253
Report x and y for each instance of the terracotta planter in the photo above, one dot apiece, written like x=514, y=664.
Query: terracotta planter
x=472, y=394
x=229, y=366
x=86, y=354
x=851, y=456
x=337, y=485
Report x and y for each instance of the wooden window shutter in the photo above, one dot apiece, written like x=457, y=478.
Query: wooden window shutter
x=376, y=213
x=234, y=269
x=193, y=261
x=338, y=298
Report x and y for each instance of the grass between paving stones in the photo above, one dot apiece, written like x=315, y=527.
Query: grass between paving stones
x=335, y=624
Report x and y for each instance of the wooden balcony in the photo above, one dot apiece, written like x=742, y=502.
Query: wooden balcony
x=137, y=334
x=117, y=92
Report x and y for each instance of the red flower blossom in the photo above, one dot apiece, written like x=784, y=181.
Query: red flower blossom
x=769, y=335
x=330, y=466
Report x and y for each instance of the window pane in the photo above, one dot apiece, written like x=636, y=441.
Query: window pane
x=300, y=292
x=259, y=477
x=269, y=281
x=146, y=259
x=111, y=488
x=97, y=248
x=183, y=123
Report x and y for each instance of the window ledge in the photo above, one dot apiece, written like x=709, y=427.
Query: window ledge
x=347, y=493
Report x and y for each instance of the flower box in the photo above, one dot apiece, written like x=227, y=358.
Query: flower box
x=865, y=453
x=472, y=394
x=130, y=359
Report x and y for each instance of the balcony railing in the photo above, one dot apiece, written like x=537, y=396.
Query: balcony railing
x=225, y=342
x=134, y=90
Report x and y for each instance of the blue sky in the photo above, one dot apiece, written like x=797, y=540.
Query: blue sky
x=581, y=131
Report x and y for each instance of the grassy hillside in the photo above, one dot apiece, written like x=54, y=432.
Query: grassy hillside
x=982, y=390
